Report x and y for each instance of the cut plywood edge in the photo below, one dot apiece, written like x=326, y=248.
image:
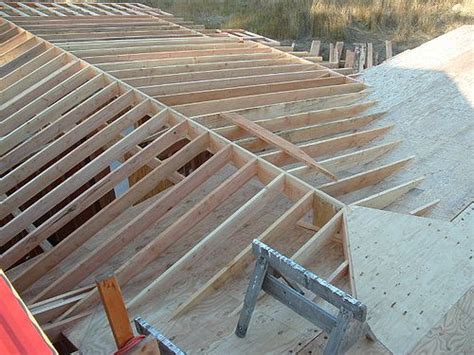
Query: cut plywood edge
x=408, y=270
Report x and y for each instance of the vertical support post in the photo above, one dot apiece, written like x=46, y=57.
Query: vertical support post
x=117, y=314
x=356, y=57
x=350, y=59
x=250, y=300
x=388, y=49
x=370, y=55
x=338, y=51
x=335, y=343
x=331, y=53
x=363, y=56
x=315, y=48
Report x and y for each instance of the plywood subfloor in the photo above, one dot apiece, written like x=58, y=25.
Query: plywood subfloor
x=409, y=271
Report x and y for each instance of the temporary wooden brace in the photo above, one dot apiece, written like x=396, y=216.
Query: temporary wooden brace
x=270, y=264
x=117, y=314
x=349, y=160
x=299, y=120
x=283, y=144
x=303, y=134
x=328, y=146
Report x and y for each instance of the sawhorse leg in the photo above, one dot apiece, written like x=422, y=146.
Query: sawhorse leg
x=337, y=338
x=250, y=300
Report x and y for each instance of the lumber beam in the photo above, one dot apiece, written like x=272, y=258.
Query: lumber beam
x=227, y=228
x=130, y=231
x=146, y=255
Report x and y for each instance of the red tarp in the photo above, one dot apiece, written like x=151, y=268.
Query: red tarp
x=19, y=332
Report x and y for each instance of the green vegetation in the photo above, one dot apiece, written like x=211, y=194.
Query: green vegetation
x=400, y=20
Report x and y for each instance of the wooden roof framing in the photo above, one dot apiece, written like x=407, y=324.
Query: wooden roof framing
x=26, y=9
x=313, y=107
x=103, y=108
x=82, y=119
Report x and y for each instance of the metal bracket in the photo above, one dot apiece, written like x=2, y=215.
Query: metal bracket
x=165, y=345
x=344, y=330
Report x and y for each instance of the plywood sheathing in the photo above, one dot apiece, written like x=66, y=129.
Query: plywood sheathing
x=428, y=93
x=455, y=331
x=409, y=271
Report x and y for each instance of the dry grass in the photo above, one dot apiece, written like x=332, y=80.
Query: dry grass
x=401, y=18
x=329, y=19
